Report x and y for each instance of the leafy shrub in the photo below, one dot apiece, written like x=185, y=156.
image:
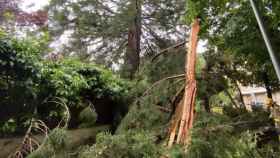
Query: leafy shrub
x=219, y=136
x=70, y=78
x=19, y=69
x=177, y=151
x=132, y=144
x=29, y=83
x=145, y=112
x=58, y=138
x=145, y=117
x=88, y=117
x=54, y=146
x=8, y=126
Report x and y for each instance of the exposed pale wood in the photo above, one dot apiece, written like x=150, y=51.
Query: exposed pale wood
x=175, y=122
x=184, y=115
x=190, y=92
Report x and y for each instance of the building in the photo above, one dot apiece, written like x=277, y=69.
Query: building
x=256, y=96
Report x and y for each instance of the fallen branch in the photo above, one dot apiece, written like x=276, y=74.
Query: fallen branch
x=164, y=109
x=167, y=49
x=158, y=82
x=29, y=143
x=66, y=116
x=218, y=127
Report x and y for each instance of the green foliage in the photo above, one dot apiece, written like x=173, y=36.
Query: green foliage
x=63, y=79
x=144, y=113
x=220, y=99
x=232, y=134
x=132, y=144
x=8, y=126
x=69, y=77
x=210, y=138
x=145, y=116
x=88, y=117
x=233, y=36
x=57, y=138
x=142, y=131
x=177, y=151
x=31, y=83
x=18, y=73
x=165, y=65
x=110, y=21
x=54, y=146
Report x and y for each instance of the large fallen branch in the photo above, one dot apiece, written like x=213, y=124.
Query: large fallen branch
x=30, y=143
x=158, y=82
x=168, y=49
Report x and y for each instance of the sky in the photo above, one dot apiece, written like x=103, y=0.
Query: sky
x=34, y=5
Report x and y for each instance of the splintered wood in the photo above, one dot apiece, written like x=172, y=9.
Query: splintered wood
x=182, y=120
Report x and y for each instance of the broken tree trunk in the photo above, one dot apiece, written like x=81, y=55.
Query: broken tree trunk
x=184, y=114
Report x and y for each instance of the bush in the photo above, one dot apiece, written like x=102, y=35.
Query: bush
x=145, y=116
x=54, y=146
x=145, y=112
x=131, y=144
x=31, y=83
x=87, y=117
x=219, y=136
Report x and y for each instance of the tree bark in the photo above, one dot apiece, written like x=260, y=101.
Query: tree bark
x=132, y=56
x=206, y=104
x=267, y=85
x=231, y=98
x=235, y=82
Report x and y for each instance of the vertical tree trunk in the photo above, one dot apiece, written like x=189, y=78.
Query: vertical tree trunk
x=240, y=94
x=267, y=85
x=206, y=103
x=132, y=57
x=231, y=98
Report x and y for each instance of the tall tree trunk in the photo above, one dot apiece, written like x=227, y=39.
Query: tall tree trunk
x=132, y=57
x=267, y=85
x=235, y=82
x=206, y=103
x=231, y=98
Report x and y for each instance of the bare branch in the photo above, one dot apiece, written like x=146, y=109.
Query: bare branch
x=158, y=82
x=169, y=48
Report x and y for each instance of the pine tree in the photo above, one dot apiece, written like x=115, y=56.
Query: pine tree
x=117, y=31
